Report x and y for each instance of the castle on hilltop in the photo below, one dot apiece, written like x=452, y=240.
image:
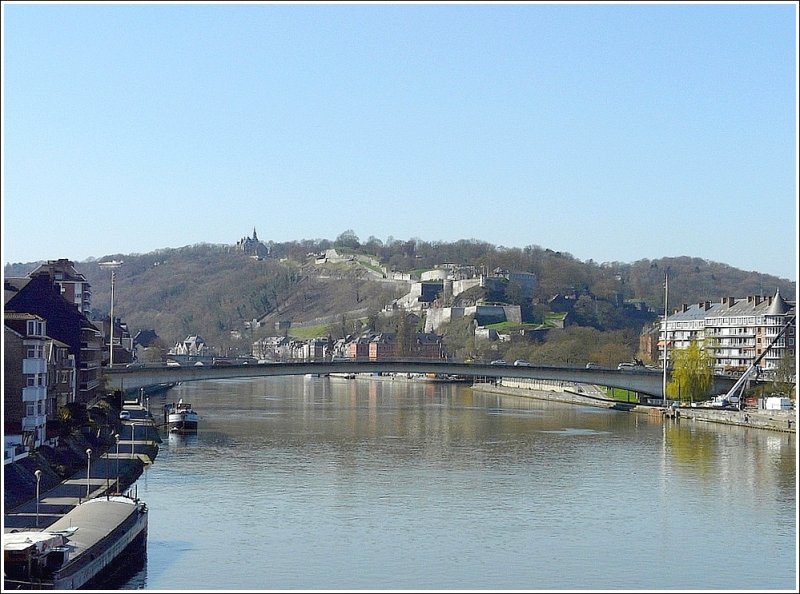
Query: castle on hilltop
x=251, y=246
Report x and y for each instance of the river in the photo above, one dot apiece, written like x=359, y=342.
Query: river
x=298, y=483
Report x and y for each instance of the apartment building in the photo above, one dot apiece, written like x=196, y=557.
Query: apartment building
x=70, y=283
x=735, y=332
x=42, y=295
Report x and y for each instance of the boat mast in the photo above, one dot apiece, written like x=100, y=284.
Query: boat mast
x=666, y=342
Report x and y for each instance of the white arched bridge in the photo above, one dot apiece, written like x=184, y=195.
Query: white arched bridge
x=645, y=381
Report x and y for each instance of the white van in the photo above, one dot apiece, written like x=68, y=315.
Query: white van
x=778, y=403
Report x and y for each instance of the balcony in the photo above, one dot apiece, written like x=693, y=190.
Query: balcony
x=32, y=365
x=33, y=422
x=34, y=393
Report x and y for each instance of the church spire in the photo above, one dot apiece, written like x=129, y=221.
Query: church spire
x=255, y=237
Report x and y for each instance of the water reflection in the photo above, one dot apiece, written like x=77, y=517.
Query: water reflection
x=380, y=484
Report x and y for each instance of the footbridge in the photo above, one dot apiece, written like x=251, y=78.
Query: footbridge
x=646, y=381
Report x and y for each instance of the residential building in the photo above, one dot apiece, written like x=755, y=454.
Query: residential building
x=71, y=283
x=25, y=378
x=734, y=331
x=41, y=295
x=191, y=345
x=123, y=341
x=62, y=377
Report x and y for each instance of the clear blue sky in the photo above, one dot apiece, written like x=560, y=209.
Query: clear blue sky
x=614, y=132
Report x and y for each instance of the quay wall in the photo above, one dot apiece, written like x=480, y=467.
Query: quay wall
x=774, y=420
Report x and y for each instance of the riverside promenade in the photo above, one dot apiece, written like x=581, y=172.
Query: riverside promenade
x=773, y=420
x=110, y=473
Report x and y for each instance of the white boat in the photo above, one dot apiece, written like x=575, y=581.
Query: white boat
x=181, y=418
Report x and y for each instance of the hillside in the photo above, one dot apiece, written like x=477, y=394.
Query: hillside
x=214, y=292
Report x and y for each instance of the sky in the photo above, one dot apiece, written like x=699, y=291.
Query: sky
x=612, y=132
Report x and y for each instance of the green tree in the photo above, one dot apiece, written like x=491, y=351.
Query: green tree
x=691, y=373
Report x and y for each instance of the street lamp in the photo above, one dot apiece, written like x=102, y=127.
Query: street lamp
x=88, y=468
x=38, y=474
x=666, y=341
x=116, y=437
x=113, y=265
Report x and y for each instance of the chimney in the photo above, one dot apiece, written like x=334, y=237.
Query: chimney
x=684, y=307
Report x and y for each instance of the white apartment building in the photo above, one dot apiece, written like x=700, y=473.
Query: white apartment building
x=735, y=331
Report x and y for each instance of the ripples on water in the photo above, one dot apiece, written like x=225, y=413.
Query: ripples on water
x=324, y=483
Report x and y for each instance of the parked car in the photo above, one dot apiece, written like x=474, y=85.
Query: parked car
x=125, y=415
x=591, y=365
x=522, y=363
x=498, y=362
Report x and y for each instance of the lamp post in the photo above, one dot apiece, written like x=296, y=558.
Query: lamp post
x=666, y=341
x=38, y=474
x=88, y=468
x=116, y=437
x=113, y=265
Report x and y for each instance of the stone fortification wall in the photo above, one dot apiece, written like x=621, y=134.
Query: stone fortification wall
x=433, y=275
x=459, y=286
x=485, y=314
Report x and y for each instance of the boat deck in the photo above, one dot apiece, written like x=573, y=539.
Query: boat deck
x=95, y=519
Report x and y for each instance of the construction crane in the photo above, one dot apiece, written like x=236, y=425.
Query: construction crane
x=752, y=372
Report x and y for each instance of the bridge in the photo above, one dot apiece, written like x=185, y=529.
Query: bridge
x=645, y=381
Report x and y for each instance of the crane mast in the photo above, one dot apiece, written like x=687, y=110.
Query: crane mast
x=753, y=369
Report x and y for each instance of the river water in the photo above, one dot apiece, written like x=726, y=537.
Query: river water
x=297, y=483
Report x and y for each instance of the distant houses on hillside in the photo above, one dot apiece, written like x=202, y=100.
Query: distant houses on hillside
x=368, y=345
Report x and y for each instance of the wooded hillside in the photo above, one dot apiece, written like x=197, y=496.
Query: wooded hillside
x=213, y=291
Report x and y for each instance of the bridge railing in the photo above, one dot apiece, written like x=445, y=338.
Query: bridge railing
x=645, y=382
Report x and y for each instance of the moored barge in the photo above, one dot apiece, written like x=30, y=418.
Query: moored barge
x=182, y=418
x=80, y=550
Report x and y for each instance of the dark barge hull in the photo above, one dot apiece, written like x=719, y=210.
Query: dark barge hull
x=183, y=427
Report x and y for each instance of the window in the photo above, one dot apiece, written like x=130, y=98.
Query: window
x=35, y=351
x=36, y=328
x=36, y=379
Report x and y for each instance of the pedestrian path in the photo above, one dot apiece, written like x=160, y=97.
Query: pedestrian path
x=138, y=442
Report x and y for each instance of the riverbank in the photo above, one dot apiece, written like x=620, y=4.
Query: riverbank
x=773, y=420
x=109, y=469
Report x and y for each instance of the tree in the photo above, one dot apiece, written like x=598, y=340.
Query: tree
x=610, y=354
x=458, y=337
x=692, y=373
x=405, y=335
x=785, y=374
x=347, y=239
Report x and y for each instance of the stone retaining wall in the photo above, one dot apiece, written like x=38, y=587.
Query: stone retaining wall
x=774, y=420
